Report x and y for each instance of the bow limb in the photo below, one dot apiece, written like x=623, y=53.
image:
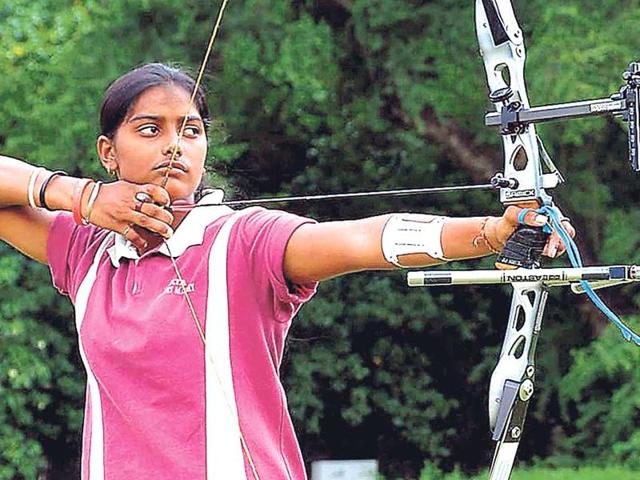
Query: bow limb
x=502, y=49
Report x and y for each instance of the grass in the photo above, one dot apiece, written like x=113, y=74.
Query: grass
x=586, y=473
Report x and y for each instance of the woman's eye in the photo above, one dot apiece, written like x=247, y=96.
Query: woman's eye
x=192, y=131
x=149, y=130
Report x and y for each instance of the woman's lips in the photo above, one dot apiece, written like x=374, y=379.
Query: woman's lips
x=177, y=166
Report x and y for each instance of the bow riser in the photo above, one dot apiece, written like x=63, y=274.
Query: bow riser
x=502, y=49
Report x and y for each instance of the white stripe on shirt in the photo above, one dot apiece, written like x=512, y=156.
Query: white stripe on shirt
x=224, y=451
x=96, y=453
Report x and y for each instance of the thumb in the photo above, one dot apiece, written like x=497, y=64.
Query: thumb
x=529, y=217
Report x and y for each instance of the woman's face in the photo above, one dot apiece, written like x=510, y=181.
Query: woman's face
x=142, y=146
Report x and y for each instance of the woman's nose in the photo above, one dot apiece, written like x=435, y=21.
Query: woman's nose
x=170, y=149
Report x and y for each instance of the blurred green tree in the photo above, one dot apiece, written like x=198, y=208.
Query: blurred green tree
x=334, y=96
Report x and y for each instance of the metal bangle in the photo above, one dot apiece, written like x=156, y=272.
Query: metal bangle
x=86, y=220
x=76, y=202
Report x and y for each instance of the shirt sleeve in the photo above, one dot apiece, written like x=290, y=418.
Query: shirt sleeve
x=265, y=234
x=71, y=249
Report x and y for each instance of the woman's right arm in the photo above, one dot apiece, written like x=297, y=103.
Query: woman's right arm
x=21, y=226
x=27, y=229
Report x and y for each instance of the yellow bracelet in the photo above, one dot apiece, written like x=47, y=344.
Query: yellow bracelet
x=86, y=220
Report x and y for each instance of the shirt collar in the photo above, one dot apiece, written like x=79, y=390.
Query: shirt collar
x=190, y=232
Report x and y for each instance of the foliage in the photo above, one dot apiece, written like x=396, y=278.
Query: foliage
x=40, y=384
x=330, y=97
x=600, y=395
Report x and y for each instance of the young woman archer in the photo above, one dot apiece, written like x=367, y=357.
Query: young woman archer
x=159, y=403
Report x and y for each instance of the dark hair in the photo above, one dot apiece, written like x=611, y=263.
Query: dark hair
x=123, y=92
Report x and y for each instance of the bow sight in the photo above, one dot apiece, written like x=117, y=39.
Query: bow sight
x=513, y=118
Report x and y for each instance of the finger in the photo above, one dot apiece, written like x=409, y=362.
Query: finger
x=561, y=249
x=132, y=236
x=566, y=223
x=158, y=195
x=511, y=215
x=552, y=247
x=535, y=219
x=154, y=211
x=555, y=246
x=531, y=217
x=153, y=225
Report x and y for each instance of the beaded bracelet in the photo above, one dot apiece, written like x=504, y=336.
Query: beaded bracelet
x=483, y=236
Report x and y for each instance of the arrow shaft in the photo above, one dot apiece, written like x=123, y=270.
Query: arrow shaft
x=339, y=196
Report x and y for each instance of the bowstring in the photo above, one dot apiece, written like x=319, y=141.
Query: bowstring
x=165, y=180
x=209, y=354
x=192, y=98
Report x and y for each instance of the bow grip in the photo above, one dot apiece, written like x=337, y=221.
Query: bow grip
x=524, y=247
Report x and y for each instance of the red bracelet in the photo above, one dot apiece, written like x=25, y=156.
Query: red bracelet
x=78, y=193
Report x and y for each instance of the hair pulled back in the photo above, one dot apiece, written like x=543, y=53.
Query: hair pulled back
x=123, y=92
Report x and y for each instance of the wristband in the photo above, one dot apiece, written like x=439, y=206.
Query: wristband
x=45, y=184
x=76, y=203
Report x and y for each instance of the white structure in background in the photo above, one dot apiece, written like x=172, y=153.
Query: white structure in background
x=344, y=470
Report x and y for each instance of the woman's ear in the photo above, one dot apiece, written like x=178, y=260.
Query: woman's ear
x=107, y=153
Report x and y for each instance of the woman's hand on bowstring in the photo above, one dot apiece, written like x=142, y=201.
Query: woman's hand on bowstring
x=138, y=212
x=503, y=227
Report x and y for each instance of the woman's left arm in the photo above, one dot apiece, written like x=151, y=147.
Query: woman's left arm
x=321, y=251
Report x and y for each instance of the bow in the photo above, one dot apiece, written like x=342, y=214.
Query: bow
x=525, y=162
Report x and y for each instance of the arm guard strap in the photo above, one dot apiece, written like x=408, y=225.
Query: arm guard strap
x=407, y=233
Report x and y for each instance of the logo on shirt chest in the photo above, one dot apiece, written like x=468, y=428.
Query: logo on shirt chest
x=179, y=287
